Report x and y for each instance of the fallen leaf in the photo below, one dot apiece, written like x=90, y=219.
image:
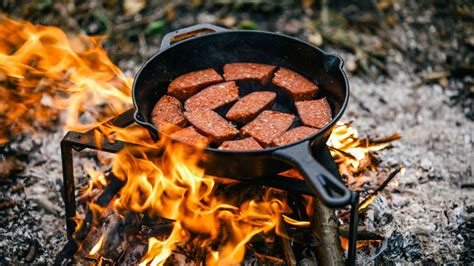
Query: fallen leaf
x=315, y=39
x=132, y=7
x=155, y=27
x=248, y=25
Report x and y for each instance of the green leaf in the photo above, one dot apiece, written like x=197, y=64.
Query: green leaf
x=43, y=4
x=248, y=25
x=155, y=27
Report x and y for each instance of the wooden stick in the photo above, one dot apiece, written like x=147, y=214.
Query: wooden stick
x=324, y=225
x=286, y=246
x=366, y=202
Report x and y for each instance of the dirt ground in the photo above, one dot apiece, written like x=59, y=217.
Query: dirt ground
x=410, y=71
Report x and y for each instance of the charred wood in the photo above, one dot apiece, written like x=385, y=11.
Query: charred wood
x=324, y=225
x=286, y=246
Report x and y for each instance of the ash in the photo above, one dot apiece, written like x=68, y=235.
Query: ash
x=32, y=223
x=425, y=211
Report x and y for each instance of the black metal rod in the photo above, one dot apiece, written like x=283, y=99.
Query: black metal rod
x=68, y=186
x=354, y=220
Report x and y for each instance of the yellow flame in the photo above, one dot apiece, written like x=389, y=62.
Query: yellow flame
x=97, y=246
x=159, y=251
x=178, y=189
x=354, y=154
x=294, y=222
x=354, y=150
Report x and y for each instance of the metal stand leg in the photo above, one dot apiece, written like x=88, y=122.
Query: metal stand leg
x=351, y=257
x=79, y=141
x=68, y=186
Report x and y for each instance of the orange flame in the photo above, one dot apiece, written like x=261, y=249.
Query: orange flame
x=177, y=189
x=42, y=71
x=359, y=243
x=354, y=154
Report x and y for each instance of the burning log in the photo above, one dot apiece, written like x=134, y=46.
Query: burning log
x=286, y=246
x=324, y=225
x=134, y=252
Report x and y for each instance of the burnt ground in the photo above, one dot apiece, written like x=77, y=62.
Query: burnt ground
x=410, y=69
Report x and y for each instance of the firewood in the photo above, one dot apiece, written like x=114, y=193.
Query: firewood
x=286, y=246
x=324, y=225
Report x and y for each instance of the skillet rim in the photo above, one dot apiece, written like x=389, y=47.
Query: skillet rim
x=309, y=138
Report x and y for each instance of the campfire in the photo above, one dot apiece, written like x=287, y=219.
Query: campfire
x=151, y=202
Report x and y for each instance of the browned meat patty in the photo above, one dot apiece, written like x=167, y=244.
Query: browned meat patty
x=213, y=97
x=247, y=144
x=250, y=106
x=293, y=135
x=211, y=124
x=249, y=71
x=188, y=84
x=315, y=113
x=167, y=115
x=267, y=126
x=299, y=87
x=191, y=137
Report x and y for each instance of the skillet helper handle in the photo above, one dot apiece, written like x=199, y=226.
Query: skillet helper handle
x=185, y=33
x=325, y=185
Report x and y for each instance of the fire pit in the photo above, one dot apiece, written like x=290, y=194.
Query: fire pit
x=321, y=182
x=79, y=141
x=157, y=205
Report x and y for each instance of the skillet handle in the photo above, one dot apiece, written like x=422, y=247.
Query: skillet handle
x=185, y=33
x=323, y=184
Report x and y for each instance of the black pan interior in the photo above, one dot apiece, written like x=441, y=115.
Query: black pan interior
x=215, y=50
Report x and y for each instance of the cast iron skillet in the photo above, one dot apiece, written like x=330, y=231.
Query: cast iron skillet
x=182, y=52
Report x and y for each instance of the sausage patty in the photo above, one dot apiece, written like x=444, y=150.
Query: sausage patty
x=247, y=144
x=211, y=124
x=213, y=97
x=267, y=126
x=293, y=135
x=167, y=115
x=250, y=106
x=249, y=71
x=299, y=87
x=314, y=113
x=188, y=84
x=191, y=137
